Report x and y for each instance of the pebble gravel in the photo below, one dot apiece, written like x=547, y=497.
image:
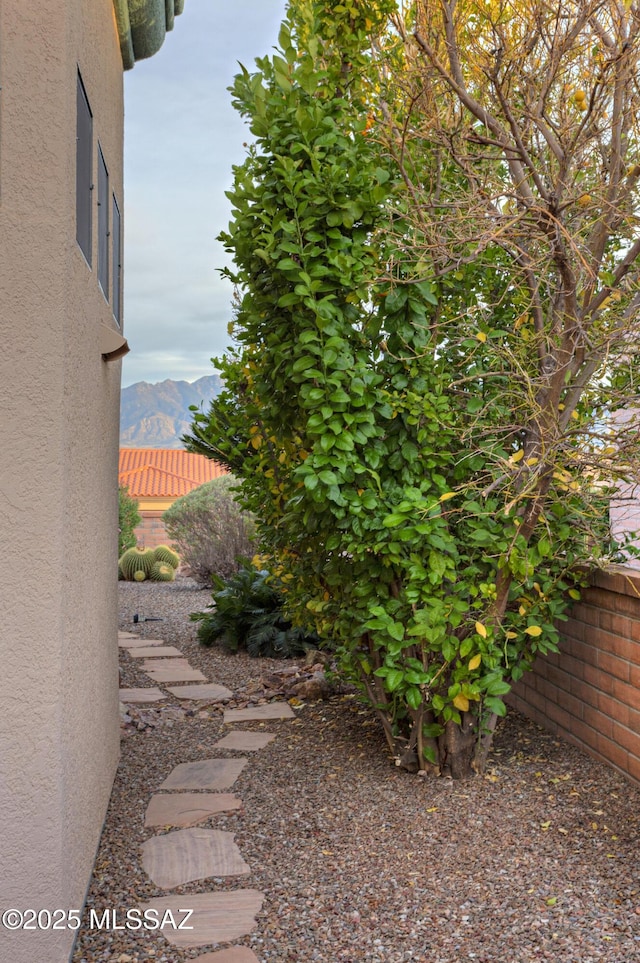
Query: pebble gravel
x=359, y=861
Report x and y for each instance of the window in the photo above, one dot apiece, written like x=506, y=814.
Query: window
x=116, y=231
x=84, y=171
x=103, y=225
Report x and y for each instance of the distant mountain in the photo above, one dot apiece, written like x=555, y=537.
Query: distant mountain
x=157, y=415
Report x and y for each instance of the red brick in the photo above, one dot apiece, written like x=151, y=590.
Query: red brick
x=583, y=652
x=574, y=667
x=584, y=693
x=601, y=723
x=634, y=769
x=628, y=694
x=613, y=665
x=613, y=708
x=559, y=715
x=597, y=599
x=613, y=752
x=619, y=625
x=584, y=734
x=626, y=739
x=634, y=720
x=559, y=678
x=634, y=675
x=598, y=679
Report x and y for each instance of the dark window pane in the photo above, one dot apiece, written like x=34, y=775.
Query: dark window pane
x=117, y=261
x=84, y=164
x=103, y=225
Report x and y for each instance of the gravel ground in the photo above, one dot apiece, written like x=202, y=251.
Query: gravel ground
x=359, y=861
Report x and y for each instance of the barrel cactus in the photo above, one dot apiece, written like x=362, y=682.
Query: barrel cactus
x=165, y=554
x=136, y=560
x=139, y=575
x=162, y=572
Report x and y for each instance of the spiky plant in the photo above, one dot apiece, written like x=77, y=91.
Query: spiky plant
x=162, y=572
x=139, y=575
x=136, y=560
x=246, y=612
x=167, y=555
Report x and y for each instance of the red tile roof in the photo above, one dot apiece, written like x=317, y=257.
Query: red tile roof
x=164, y=472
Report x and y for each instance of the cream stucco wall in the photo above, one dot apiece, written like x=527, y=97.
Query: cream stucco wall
x=58, y=468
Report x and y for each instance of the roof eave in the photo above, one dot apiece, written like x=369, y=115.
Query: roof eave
x=143, y=25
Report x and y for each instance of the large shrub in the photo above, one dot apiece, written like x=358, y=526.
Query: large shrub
x=128, y=518
x=209, y=530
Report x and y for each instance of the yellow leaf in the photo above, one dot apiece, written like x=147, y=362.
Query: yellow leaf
x=517, y=456
x=544, y=826
x=461, y=702
x=256, y=441
x=481, y=630
x=432, y=809
x=532, y=461
x=447, y=496
x=511, y=635
x=574, y=593
x=575, y=415
x=552, y=901
x=475, y=662
x=533, y=630
x=481, y=336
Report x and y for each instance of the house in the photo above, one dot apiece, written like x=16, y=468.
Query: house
x=156, y=477
x=61, y=222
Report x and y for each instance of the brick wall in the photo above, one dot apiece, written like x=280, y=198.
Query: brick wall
x=589, y=693
x=151, y=531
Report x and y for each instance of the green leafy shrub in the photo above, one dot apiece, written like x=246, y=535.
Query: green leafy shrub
x=246, y=613
x=128, y=518
x=210, y=530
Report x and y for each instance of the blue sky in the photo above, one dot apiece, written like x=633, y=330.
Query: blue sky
x=182, y=137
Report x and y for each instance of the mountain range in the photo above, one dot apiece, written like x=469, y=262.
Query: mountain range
x=157, y=415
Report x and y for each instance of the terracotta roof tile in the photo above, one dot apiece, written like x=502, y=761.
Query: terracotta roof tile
x=164, y=472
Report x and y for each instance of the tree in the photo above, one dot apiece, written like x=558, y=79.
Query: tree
x=128, y=518
x=419, y=416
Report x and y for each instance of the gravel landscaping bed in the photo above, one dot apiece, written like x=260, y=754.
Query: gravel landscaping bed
x=360, y=861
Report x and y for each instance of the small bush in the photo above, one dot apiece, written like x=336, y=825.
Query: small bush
x=128, y=518
x=246, y=612
x=210, y=530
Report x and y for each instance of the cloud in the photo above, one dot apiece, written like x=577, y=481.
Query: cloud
x=182, y=137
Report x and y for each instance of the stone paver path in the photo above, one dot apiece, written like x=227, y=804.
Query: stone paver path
x=271, y=710
x=209, y=774
x=152, y=694
x=135, y=642
x=245, y=741
x=153, y=651
x=188, y=808
x=217, y=917
x=176, y=674
x=189, y=854
x=209, y=692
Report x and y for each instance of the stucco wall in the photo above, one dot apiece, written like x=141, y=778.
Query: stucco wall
x=58, y=468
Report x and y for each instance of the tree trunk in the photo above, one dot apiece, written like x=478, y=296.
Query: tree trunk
x=456, y=748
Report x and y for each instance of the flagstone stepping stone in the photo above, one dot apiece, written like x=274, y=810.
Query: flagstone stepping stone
x=127, y=635
x=209, y=692
x=271, y=710
x=188, y=808
x=235, y=954
x=150, y=694
x=151, y=665
x=135, y=642
x=176, y=674
x=214, y=774
x=245, y=741
x=189, y=854
x=155, y=651
x=216, y=918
